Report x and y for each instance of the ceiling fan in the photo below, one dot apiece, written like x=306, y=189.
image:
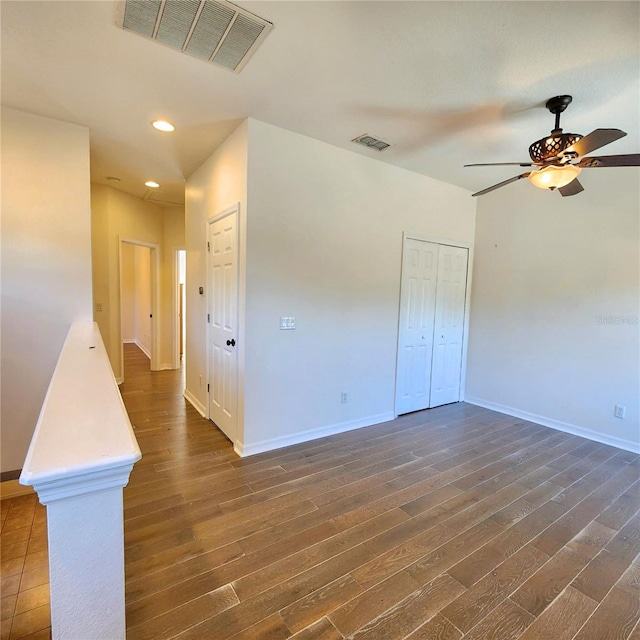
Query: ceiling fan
x=559, y=158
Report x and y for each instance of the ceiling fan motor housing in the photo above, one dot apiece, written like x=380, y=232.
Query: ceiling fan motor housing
x=549, y=148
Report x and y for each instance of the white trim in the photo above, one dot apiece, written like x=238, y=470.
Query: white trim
x=119, y=380
x=620, y=443
x=195, y=403
x=142, y=348
x=406, y=235
x=166, y=366
x=175, y=301
x=262, y=446
x=129, y=341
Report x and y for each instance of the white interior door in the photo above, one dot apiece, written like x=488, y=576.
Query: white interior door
x=431, y=329
x=415, y=336
x=223, y=323
x=449, y=325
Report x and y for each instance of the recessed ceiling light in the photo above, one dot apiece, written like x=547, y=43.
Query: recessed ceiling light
x=151, y=184
x=113, y=179
x=162, y=125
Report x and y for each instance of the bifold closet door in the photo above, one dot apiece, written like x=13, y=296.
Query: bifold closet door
x=448, y=332
x=417, y=315
x=431, y=327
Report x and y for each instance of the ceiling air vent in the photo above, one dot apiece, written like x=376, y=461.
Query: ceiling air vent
x=212, y=30
x=372, y=142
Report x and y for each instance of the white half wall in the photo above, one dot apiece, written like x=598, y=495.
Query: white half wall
x=46, y=262
x=324, y=244
x=554, y=332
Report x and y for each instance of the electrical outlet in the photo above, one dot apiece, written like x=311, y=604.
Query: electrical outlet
x=620, y=411
x=344, y=397
x=98, y=306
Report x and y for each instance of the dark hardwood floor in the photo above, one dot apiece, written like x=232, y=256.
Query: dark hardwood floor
x=452, y=523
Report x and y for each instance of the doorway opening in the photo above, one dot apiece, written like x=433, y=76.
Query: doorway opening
x=139, y=272
x=433, y=324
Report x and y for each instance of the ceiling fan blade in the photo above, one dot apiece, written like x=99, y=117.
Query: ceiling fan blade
x=572, y=188
x=501, y=184
x=595, y=140
x=629, y=160
x=501, y=164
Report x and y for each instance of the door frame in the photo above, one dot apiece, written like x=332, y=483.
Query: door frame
x=154, y=259
x=175, y=305
x=467, y=306
x=232, y=210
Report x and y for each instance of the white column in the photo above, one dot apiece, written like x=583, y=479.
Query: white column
x=86, y=566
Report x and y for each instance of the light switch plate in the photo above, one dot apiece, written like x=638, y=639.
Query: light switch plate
x=287, y=323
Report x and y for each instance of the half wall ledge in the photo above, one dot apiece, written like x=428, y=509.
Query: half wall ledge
x=79, y=460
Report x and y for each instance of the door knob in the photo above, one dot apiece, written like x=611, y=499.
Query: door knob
x=231, y=343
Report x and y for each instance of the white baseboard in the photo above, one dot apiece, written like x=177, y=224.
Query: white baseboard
x=129, y=341
x=143, y=349
x=244, y=450
x=119, y=380
x=195, y=403
x=166, y=366
x=620, y=443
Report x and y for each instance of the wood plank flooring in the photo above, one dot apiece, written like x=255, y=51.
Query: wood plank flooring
x=452, y=523
x=446, y=524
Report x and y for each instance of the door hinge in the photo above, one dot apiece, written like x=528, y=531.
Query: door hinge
x=208, y=246
x=207, y=388
x=208, y=317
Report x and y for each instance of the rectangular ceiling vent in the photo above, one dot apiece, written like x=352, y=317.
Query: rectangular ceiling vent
x=372, y=142
x=212, y=30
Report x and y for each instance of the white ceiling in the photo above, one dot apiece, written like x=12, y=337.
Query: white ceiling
x=446, y=83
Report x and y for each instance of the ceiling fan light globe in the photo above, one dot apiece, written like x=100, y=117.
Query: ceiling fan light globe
x=554, y=177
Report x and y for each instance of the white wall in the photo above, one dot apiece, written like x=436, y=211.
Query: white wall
x=324, y=244
x=218, y=184
x=135, y=301
x=46, y=262
x=117, y=215
x=173, y=238
x=142, y=270
x=321, y=233
x=554, y=320
x=128, y=301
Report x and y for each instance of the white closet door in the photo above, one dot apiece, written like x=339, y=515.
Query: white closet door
x=415, y=338
x=449, y=325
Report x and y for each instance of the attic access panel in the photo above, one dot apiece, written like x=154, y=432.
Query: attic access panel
x=213, y=30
